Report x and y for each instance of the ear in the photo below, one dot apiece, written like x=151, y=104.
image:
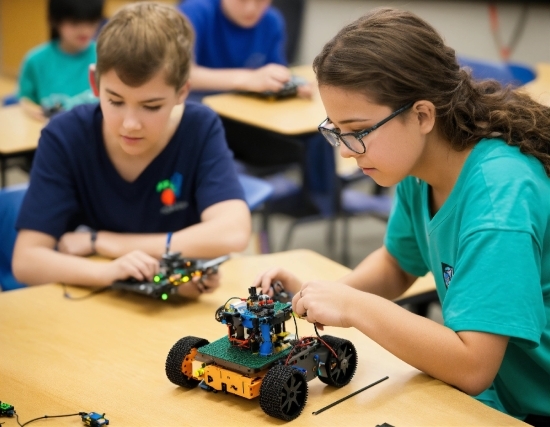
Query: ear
x=93, y=81
x=183, y=92
x=425, y=113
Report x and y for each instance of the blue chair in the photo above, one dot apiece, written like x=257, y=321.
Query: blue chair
x=10, y=202
x=504, y=72
x=256, y=191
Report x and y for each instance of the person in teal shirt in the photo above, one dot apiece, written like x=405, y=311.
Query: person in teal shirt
x=54, y=75
x=471, y=161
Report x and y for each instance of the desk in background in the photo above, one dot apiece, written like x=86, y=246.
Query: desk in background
x=539, y=89
x=107, y=354
x=19, y=135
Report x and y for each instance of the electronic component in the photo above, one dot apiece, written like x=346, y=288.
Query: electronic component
x=93, y=419
x=6, y=410
x=174, y=271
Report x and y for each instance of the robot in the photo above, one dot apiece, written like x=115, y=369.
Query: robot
x=260, y=358
x=174, y=271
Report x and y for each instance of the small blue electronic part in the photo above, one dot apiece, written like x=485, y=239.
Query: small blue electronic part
x=93, y=419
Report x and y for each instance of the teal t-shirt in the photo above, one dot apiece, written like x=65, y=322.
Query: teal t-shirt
x=488, y=248
x=50, y=76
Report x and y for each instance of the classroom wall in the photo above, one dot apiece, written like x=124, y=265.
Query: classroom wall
x=464, y=25
x=23, y=25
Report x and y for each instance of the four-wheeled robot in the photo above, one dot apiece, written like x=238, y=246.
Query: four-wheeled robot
x=259, y=357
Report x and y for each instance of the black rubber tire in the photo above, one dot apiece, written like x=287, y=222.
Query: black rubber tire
x=283, y=393
x=340, y=371
x=175, y=359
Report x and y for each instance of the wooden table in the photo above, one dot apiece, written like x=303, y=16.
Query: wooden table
x=107, y=354
x=19, y=135
x=539, y=89
x=292, y=116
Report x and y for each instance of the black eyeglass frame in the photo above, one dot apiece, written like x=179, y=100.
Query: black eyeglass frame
x=358, y=135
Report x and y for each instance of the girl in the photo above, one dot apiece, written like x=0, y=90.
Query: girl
x=472, y=162
x=54, y=75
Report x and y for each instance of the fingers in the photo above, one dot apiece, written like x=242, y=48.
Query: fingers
x=207, y=283
x=139, y=265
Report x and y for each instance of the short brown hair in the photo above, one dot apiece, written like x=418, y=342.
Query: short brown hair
x=143, y=38
x=393, y=57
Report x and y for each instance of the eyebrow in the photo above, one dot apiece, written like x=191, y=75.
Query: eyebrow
x=146, y=101
x=348, y=121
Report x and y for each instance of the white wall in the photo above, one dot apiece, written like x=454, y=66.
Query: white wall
x=464, y=25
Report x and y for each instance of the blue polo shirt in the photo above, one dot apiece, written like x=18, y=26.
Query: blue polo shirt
x=222, y=44
x=73, y=181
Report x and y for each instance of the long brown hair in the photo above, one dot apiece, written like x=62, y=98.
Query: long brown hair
x=394, y=58
x=144, y=38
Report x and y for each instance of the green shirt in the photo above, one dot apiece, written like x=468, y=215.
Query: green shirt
x=50, y=76
x=488, y=248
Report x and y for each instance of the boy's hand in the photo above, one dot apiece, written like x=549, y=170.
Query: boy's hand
x=305, y=91
x=270, y=77
x=76, y=243
x=289, y=281
x=207, y=283
x=136, y=264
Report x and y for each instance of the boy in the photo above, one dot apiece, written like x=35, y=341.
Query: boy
x=240, y=45
x=54, y=75
x=136, y=167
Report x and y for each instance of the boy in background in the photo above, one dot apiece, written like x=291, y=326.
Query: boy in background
x=54, y=75
x=134, y=168
x=240, y=45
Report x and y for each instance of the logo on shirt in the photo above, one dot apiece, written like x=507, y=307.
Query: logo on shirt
x=448, y=273
x=170, y=190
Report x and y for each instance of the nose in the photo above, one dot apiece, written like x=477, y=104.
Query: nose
x=131, y=121
x=345, y=152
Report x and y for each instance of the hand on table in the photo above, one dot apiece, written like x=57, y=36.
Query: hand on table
x=76, y=243
x=136, y=264
x=271, y=77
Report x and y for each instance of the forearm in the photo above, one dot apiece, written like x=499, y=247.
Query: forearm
x=427, y=345
x=379, y=274
x=211, y=238
x=226, y=79
x=41, y=265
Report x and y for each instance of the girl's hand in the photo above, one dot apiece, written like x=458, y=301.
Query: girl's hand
x=326, y=303
x=289, y=281
x=78, y=243
x=136, y=264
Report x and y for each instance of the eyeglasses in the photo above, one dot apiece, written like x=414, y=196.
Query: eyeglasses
x=354, y=140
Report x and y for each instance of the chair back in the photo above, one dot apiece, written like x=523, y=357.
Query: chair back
x=256, y=190
x=505, y=73
x=10, y=202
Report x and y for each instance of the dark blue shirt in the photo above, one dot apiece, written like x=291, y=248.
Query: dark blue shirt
x=222, y=44
x=73, y=181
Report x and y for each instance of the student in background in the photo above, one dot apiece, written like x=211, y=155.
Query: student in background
x=135, y=167
x=472, y=160
x=54, y=75
x=240, y=45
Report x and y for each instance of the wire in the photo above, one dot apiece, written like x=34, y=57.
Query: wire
x=46, y=416
x=88, y=295
x=349, y=395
